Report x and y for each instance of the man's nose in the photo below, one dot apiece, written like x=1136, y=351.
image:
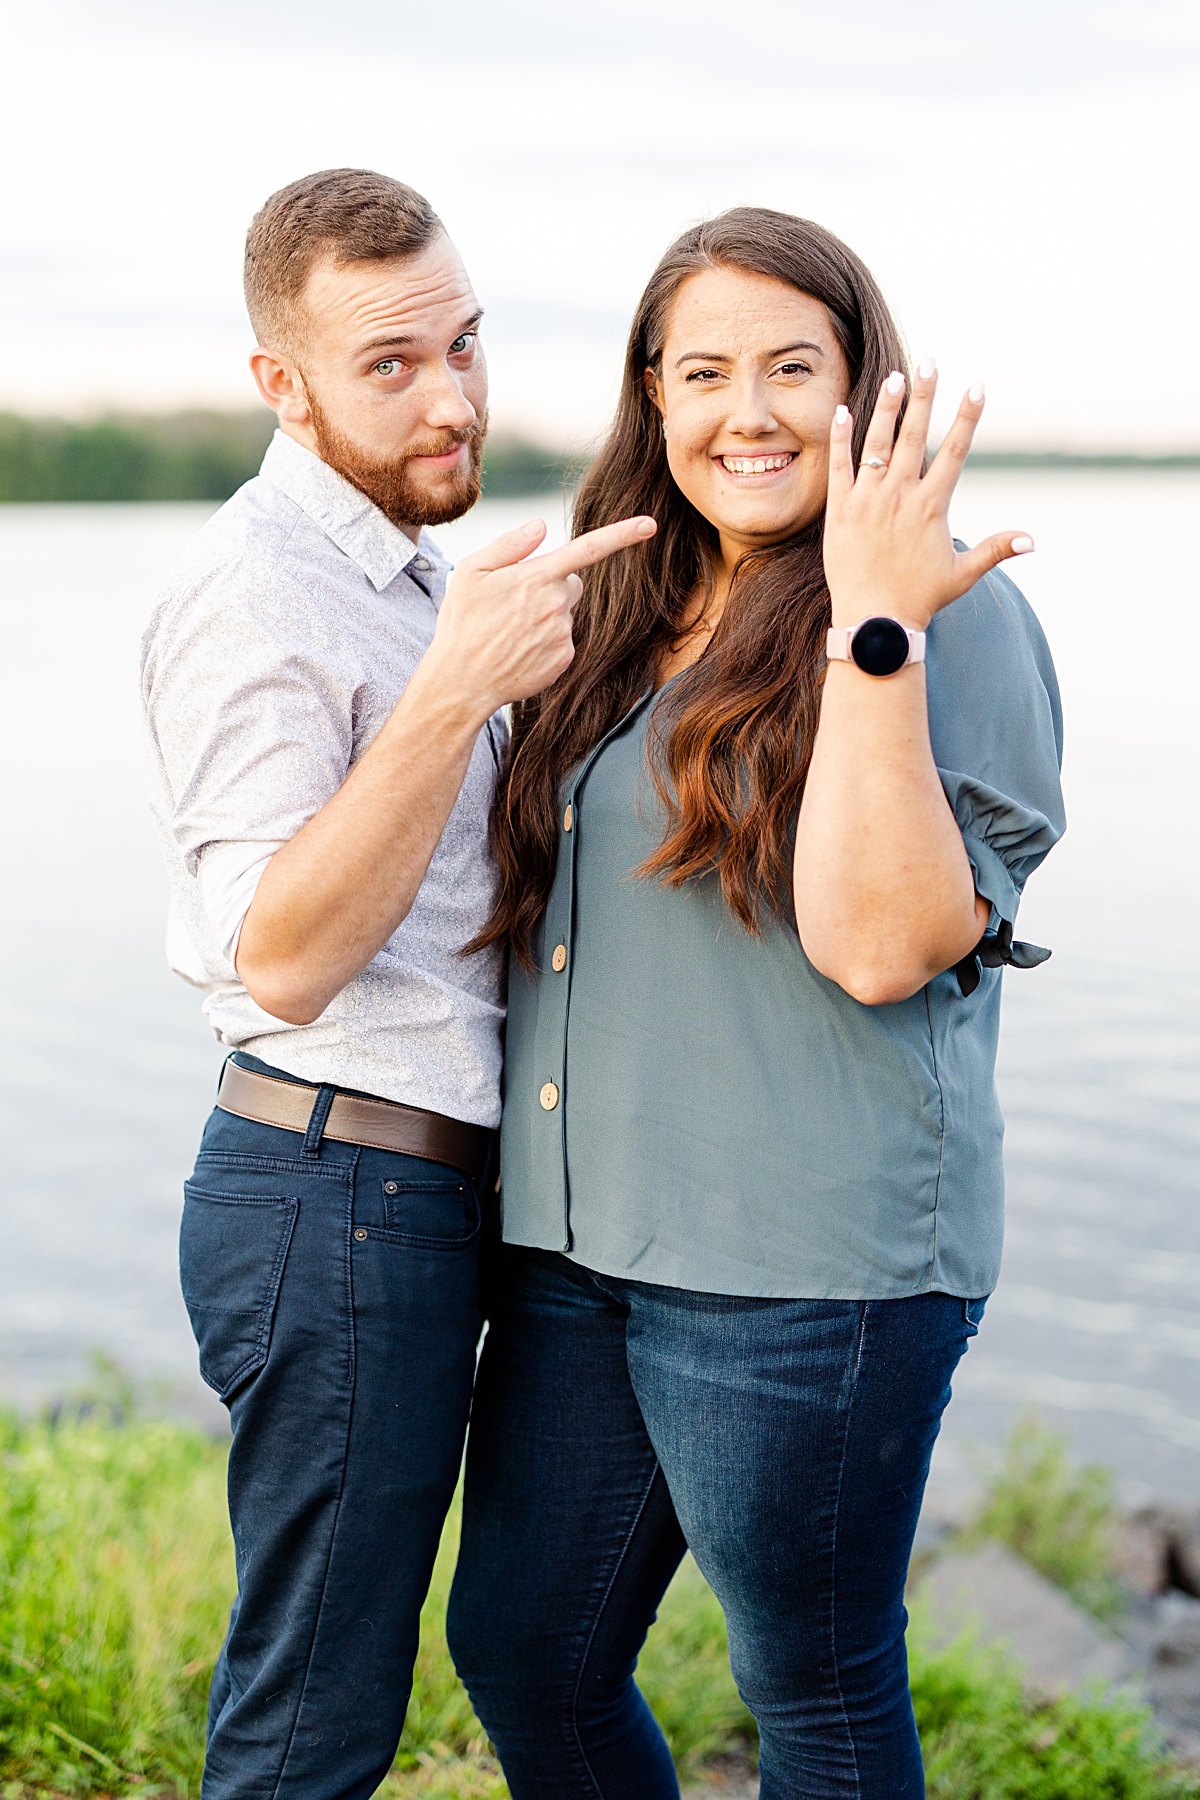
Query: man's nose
x=447, y=407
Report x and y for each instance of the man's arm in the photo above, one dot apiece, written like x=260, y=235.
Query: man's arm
x=331, y=898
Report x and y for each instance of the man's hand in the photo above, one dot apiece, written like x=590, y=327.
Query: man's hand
x=332, y=897
x=504, y=629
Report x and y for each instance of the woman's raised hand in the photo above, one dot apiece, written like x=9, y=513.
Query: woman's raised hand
x=888, y=547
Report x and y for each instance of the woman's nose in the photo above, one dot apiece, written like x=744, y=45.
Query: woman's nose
x=750, y=414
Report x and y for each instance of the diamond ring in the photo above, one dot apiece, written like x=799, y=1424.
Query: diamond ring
x=874, y=462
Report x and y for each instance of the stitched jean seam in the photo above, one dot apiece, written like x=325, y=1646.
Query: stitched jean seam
x=583, y=1661
x=320, y=1607
x=280, y=1165
x=837, y=1510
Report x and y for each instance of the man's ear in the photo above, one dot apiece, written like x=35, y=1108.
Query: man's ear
x=280, y=383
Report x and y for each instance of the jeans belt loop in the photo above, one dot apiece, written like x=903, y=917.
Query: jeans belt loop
x=317, y=1118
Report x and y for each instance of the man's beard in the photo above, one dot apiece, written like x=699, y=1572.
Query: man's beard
x=386, y=480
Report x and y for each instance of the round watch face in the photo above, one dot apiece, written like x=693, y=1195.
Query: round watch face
x=880, y=646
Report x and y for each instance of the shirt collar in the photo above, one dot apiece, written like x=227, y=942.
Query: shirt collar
x=351, y=521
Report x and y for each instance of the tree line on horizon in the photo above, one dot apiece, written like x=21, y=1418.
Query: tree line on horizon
x=196, y=455
x=207, y=455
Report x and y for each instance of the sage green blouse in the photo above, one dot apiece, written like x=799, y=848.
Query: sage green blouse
x=689, y=1105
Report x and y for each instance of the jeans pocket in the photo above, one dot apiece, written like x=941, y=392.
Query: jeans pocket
x=232, y=1248
x=430, y=1212
x=973, y=1314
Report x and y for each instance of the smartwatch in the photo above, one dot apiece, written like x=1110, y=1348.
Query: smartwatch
x=879, y=646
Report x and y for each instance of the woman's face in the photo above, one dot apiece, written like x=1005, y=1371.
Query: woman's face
x=751, y=375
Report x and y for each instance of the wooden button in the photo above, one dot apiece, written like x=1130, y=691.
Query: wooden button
x=568, y=818
x=558, y=961
x=549, y=1097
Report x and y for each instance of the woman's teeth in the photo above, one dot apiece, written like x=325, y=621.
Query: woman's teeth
x=757, y=465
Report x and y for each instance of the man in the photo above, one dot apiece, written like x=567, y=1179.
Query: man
x=325, y=726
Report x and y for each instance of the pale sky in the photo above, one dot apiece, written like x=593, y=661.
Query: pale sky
x=1021, y=176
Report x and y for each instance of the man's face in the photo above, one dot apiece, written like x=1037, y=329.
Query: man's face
x=396, y=381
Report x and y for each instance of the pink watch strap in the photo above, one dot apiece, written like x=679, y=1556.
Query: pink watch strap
x=837, y=643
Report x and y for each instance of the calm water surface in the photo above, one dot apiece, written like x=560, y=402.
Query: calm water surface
x=109, y=1070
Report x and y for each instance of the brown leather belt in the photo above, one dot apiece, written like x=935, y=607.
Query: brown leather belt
x=375, y=1124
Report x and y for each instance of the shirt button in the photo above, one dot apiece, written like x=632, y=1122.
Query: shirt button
x=549, y=1097
x=568, y=818
x=558, y=961
x=422, y=564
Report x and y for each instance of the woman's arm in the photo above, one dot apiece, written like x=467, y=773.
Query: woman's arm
x=883, y=889
x=884, y=894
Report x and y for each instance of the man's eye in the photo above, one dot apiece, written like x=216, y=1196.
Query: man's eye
x=391, y=365
x=462, y=344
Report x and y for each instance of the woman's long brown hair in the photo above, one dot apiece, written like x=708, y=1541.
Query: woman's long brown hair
x=734, y=733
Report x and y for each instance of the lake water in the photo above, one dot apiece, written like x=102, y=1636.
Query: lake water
x=109, y=1069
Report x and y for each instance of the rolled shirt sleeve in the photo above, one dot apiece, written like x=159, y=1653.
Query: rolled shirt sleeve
x=254, y=733
x=995, y=724
x=229, y=877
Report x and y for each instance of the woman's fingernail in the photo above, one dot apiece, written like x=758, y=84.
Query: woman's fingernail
x=646, y=527
x=975, y=394
x=842, y=416
x=1021, y=545
x=927, y=368
x=534, y=526
x=895, y=382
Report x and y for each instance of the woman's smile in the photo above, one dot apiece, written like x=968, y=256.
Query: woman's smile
x=749, y=377
x=764, y=468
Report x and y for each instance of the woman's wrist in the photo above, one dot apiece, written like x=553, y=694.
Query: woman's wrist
x=851, y=611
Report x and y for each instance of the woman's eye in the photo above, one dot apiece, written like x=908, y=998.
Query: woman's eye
x=794, y=368
x=391, y=365
x=703, y=376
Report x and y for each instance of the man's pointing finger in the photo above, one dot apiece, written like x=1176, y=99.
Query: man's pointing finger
x=594, y=546
x=511, y=547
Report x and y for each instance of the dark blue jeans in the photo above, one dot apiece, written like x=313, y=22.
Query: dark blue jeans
x=335, y=1293
x=786, y=1442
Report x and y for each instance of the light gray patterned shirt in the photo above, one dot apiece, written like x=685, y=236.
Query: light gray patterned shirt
x=280, y=644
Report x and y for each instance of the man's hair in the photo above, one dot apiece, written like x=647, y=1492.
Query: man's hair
x=342, y=215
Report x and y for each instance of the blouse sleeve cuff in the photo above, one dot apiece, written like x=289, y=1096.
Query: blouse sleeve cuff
x=992, y=878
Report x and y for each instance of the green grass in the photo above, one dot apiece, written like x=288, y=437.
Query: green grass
x=1059, y=1517
x=983, y=1738
x=115, y=1578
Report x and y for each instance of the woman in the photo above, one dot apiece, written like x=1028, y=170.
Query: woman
x=751, y=1150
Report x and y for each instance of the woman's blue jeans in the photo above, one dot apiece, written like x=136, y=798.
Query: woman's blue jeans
x=787, y=1442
